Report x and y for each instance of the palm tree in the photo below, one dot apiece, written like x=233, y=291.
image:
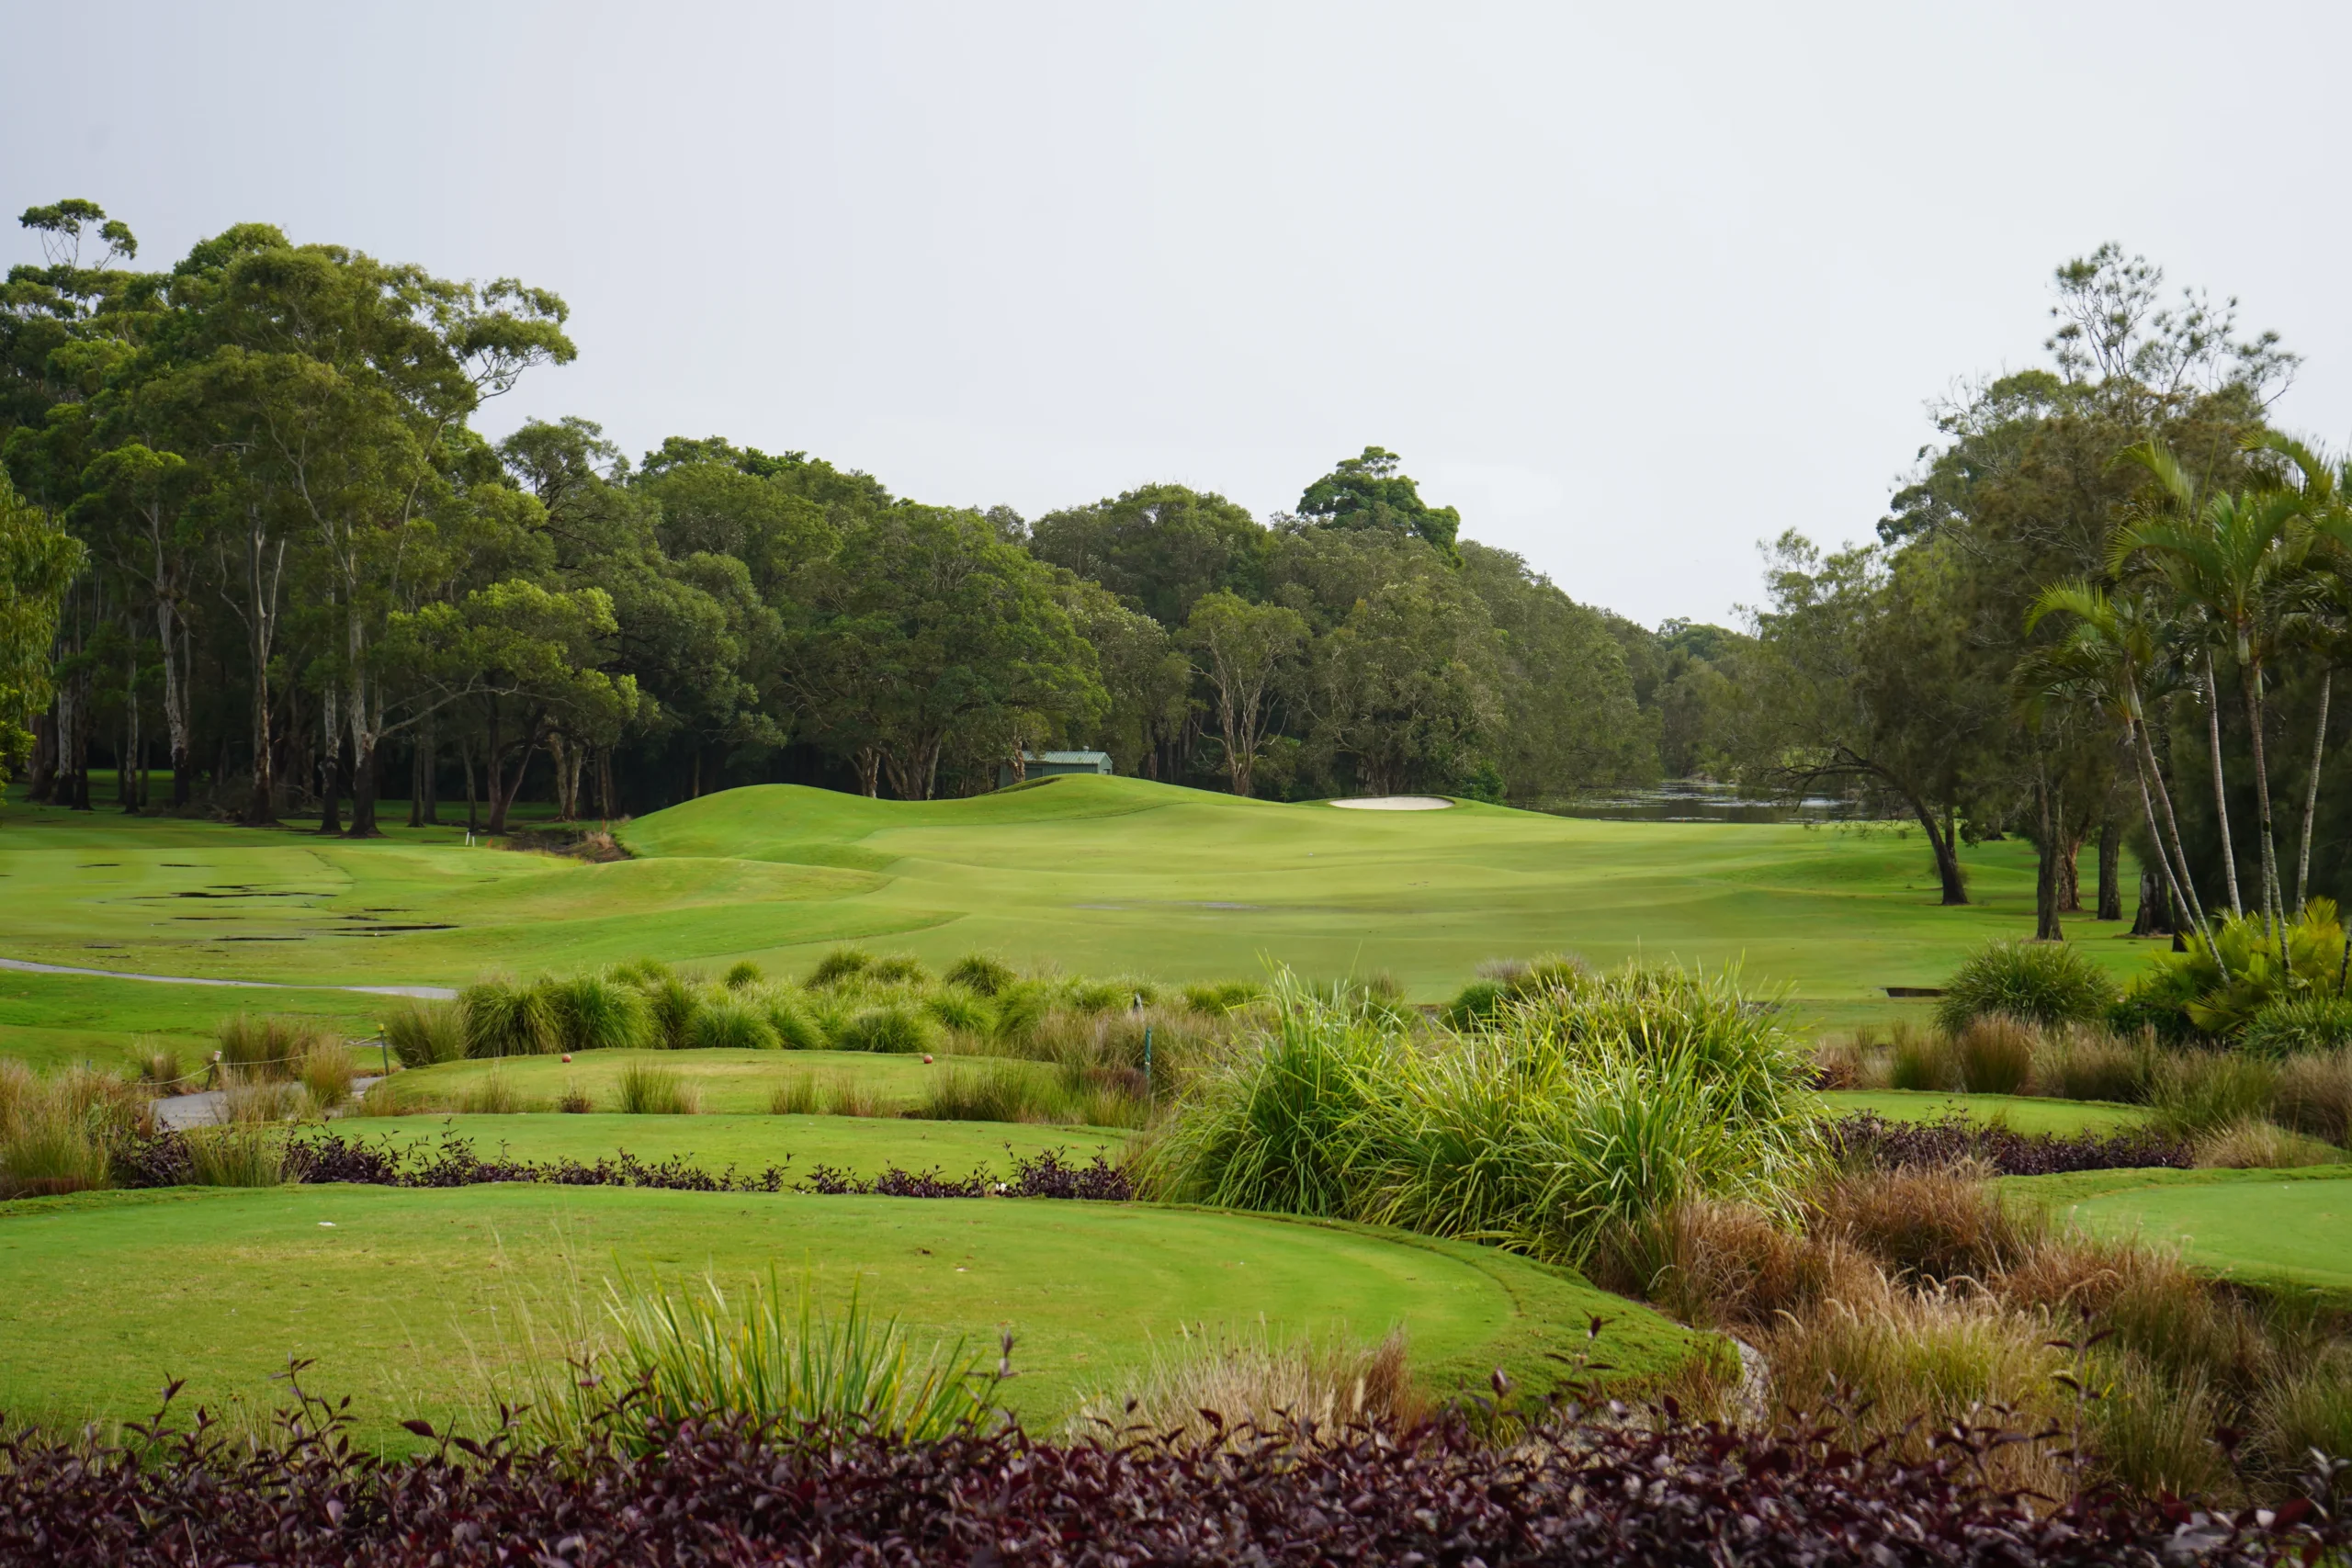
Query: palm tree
x=2232, y=556
x=2110, y=661
x=2323, y=609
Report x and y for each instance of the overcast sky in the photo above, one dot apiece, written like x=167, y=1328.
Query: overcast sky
x=1633, y=287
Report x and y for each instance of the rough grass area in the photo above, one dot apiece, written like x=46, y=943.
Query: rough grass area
x=1101, y=876
x=2291, y=1227
x=2024, y=1114
x=55, y=1021
x=404, y=1298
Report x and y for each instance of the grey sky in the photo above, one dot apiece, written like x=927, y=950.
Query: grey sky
x=1633, y=286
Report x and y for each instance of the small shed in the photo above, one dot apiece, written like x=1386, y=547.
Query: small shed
x=1045, y=764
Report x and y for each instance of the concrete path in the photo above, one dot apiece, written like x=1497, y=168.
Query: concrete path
x=209, y=1108
x=426, y=993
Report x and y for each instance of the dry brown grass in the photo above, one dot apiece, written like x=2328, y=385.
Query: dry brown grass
x=1926, y=1225
x=1248, y=1381
x=1950, y=1354
x=1994, y=1055
x=2253, y=1144
x=1723, y=1264
x=2314, y=1095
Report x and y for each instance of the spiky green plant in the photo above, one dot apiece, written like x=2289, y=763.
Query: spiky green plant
x=2046, y=983
x=786, y=1014
x=729, y=1023
x=892, y=1029
x=649, y=1090
x=771, y=1355
x=741, y=973
x=425, y=1033
x=591, y=1013
x=954, y=1007
x=248, y=1155
x=980, y=973
x=1574, y=1111
x=673, y=1005
x=842, y=964
x=503, y=1019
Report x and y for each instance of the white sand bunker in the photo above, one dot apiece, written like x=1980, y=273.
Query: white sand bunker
x=1396, y=803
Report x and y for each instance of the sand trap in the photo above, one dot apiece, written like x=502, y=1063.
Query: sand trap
x=1396, y=803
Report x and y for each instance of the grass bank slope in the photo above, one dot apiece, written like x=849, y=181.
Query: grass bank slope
x=405, y=1298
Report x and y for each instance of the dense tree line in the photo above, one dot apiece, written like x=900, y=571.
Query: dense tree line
x=254, y=539
x=2105, y=611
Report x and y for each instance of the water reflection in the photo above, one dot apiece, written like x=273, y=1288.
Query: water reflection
x=1698, y=800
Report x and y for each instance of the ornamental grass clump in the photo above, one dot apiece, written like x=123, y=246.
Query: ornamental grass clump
x=649, y=1090
x=672, y=1354
x=889, y=1029
x=1587, y=1108
x=426, y=1033
x=728, y=1023
x=271, y=1046
x=591, y=1013
x=670, y=1005
x=503, y=1019
x=2300, y=1026
x=2046, y=983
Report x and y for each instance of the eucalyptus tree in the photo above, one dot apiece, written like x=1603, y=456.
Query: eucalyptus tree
x=38, y=561
x=346, y=379
x=1241, y=650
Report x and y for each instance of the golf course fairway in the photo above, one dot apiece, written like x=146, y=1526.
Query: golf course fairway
x=409, y=1300
x=1089, y=874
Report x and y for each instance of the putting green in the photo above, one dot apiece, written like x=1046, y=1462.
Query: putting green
x=727, y=1080
x=2273, y=1226
x=2024, y=1114
x=751, y=1143
x=408, y=1299
x=1093, y=875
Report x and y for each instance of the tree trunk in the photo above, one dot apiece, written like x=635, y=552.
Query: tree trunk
x=366, y=783
x=2310, y=791
x=2110, y=870
x=493, y=775
x=330, y=757
x=261, y=625
x=2049, y=851
x=1940, y=840
x=2274, y=894
x=2070, y=875
x=416, y=771
x=2220, y=794
x=43, y=777
x=466, y=766
x=2183, y=887
x=2154, y=916
x=869, y=762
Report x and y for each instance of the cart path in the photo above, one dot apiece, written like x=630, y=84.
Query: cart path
x=426, y=993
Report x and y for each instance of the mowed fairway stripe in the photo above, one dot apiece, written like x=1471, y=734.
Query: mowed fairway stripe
x=404, y=1298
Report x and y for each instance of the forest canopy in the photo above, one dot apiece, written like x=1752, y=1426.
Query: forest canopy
x=256, y=538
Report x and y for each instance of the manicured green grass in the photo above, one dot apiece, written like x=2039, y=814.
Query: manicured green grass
x=1091, y=875
x=2269, y=1227
x=728, y=1080
x=406, y=1298
x=2025, y=1113
x=860, y=1144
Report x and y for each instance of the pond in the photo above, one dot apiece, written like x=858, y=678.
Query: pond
x=1703, y=800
